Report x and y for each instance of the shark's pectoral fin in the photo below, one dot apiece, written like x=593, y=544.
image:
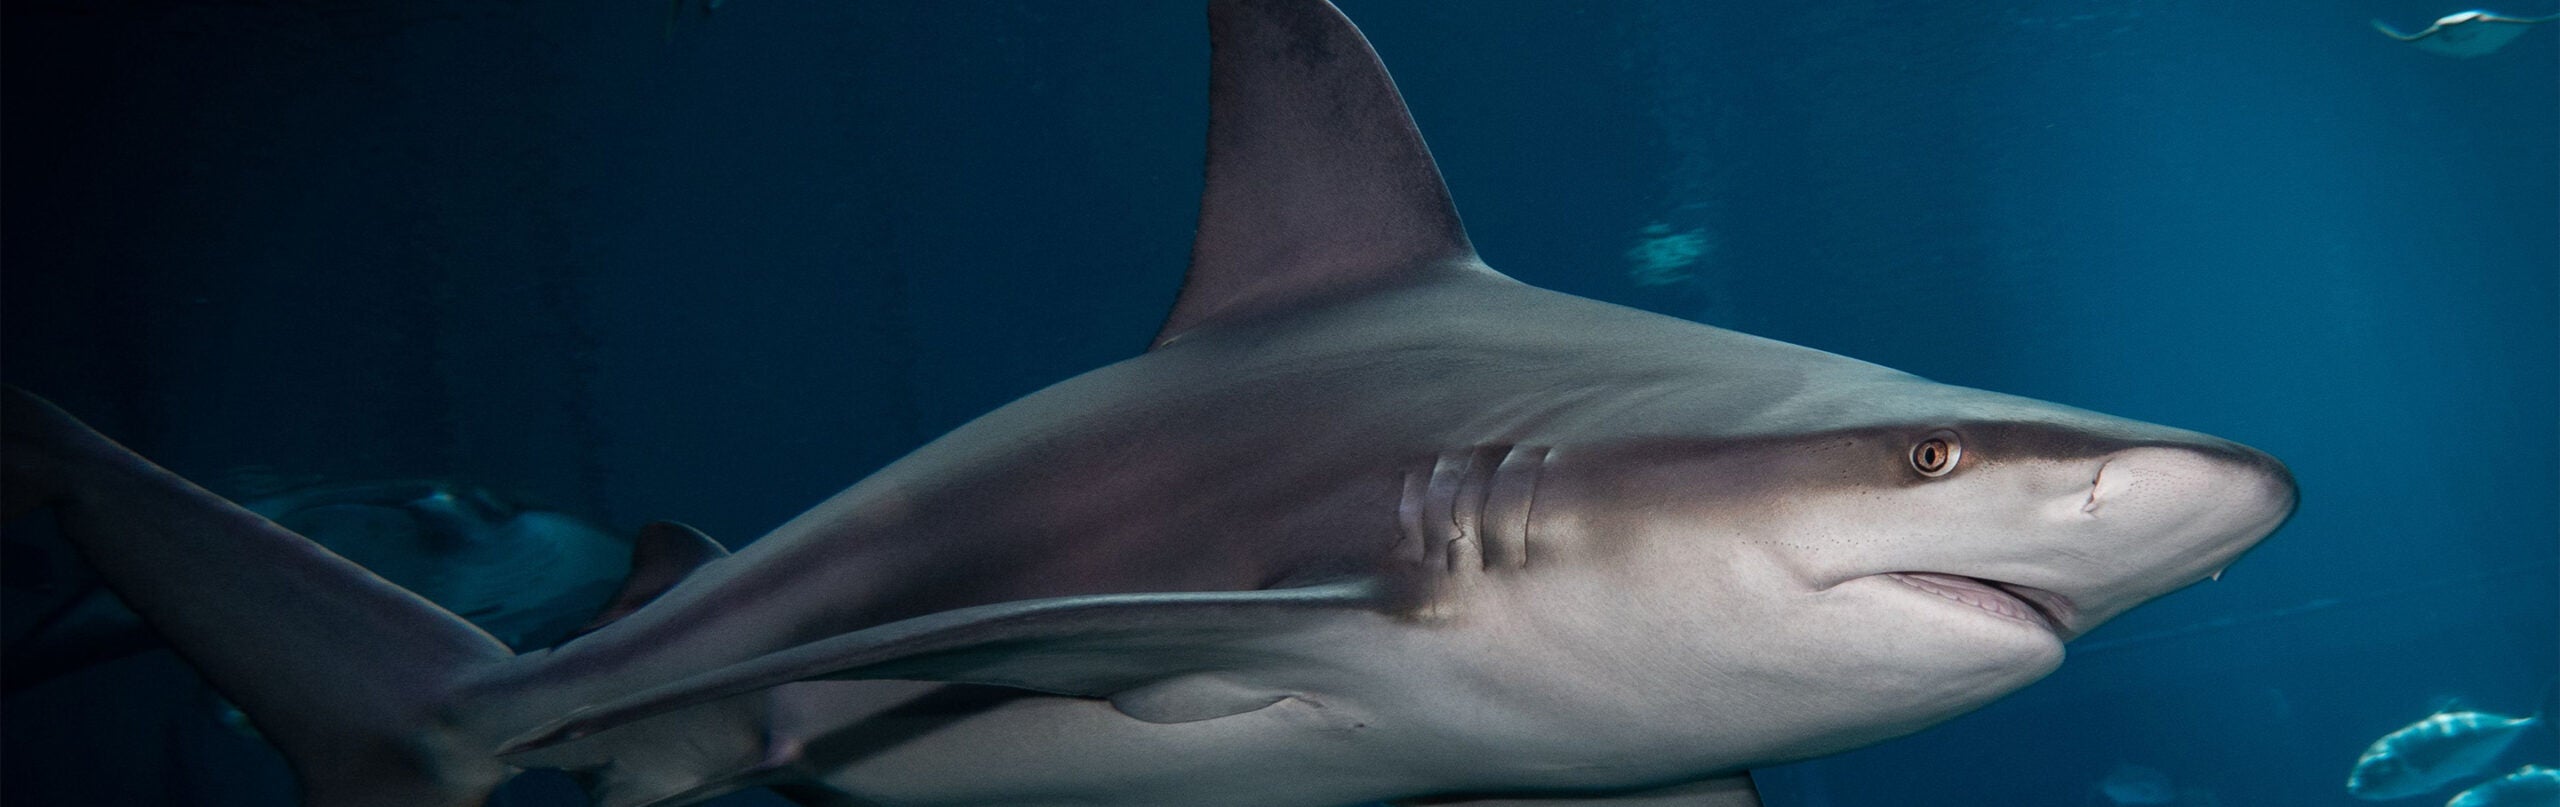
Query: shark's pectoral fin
x=1162, y=651
x=663, y=555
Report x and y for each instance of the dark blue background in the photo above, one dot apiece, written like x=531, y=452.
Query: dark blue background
x=718, y=269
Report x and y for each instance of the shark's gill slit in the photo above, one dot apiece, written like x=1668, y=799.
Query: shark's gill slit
x=1443, y=527
x=1412, y=544
x=1467, y=549
x=1506, y=507
x=1471, y=510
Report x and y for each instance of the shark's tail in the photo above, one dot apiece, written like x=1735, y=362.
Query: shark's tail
x=351, y=676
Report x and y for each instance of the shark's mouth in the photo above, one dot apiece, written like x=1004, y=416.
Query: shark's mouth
x=2027, y=604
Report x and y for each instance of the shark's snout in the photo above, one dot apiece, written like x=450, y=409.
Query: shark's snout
x=2174, y=514
x=2275, y=482
x=2240, y=489
x=2205, y=477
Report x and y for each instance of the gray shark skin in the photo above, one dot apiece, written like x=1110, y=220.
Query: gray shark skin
x=1371, y=521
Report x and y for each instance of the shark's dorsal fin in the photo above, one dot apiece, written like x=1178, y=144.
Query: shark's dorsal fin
x=1318, y=184
x=1137, y=649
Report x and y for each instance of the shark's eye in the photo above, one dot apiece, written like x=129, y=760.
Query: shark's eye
x=1937, y=454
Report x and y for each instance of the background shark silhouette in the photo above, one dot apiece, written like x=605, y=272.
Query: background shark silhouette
x=2085, y=211
x=1370, y=521
x=529, y=577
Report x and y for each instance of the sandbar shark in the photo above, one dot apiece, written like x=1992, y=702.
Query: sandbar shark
x=1370, y=521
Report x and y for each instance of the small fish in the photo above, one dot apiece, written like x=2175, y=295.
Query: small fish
x=2427, y=755
x=2529, y=786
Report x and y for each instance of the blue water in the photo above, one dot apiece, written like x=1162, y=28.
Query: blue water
x=717, y=268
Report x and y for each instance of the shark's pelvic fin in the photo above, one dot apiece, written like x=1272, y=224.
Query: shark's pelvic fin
x=1126, y=646
x=1318, y=184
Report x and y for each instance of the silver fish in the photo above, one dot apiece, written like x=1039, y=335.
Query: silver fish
x=2529, y=786
x=2425, y=756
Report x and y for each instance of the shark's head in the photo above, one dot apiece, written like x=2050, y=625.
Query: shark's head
x=1892, y=553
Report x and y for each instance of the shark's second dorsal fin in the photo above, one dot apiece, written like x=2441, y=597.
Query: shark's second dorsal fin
x=1318, y=184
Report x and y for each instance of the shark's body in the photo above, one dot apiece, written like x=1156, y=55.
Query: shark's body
x=1370, y=522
